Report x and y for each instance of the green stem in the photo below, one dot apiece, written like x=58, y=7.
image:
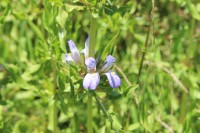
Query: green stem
x=92, y=37
x=146, y=42
x=53, y=117
x=53, y=109
x=91, y=54
x=89, y=114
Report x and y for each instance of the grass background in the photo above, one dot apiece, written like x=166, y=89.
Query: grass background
x=33, y=38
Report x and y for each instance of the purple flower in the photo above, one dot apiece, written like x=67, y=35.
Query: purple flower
x=113, y=79
x=74, y=55
x=91, y=81
x=92, y=78
x=90, y=64
x=108, y=64
x=110, y=59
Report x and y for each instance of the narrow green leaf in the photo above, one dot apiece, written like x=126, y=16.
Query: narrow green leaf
x=109, y=46
x=38, y=33
x=35, y=29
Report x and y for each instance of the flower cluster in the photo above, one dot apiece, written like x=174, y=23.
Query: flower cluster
x=92, y=78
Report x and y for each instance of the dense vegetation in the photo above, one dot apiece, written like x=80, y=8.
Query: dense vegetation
x=156, y=45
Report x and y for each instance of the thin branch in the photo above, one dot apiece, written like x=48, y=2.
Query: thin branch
x=141, y=63
x=146, y=42
x=125, y=78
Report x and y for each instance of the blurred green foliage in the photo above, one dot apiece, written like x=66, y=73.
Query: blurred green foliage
x=33, y=77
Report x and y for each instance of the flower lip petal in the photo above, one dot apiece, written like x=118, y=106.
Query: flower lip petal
x=113, y=79
x=108, y=64
x=91, y=81
x=90, y=64
x=110, y=59
x=74, y=51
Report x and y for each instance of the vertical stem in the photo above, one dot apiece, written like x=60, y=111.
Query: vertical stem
x=89, y=114
x=92, y=37
x=146, y=42
x=144, y=52
x=91, y=54
x=53, y=109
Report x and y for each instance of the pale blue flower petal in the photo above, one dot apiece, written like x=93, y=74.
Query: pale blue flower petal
x=74, y=51
x=90, y=64
x=108, y=64
x=91, y=81
x=110, y=59
x=113, y=79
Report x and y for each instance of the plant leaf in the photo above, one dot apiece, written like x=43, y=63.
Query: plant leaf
x=109, y=46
